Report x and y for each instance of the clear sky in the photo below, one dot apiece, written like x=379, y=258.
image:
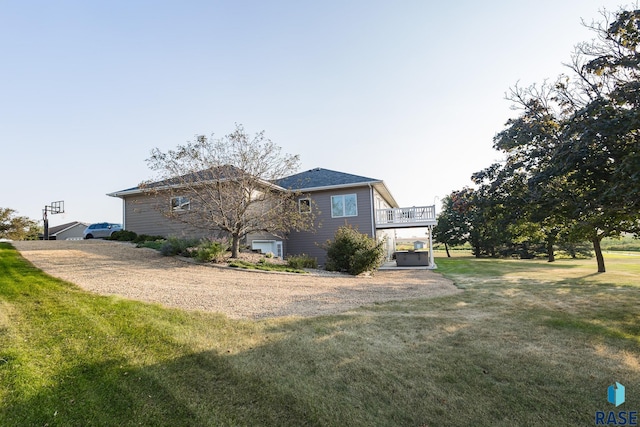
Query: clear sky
x=410, y=92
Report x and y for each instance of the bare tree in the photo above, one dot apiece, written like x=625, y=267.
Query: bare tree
x=229, y=185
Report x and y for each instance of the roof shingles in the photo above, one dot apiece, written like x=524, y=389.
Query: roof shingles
x=318, y=177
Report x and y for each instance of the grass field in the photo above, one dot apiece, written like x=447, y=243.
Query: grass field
x=528, y=343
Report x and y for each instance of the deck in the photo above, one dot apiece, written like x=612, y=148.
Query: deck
x=416, y=216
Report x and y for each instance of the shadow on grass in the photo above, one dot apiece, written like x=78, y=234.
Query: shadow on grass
x=484, y=357
x=199, y=389
x=356, y=369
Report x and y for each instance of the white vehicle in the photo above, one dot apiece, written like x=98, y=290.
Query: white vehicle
x=101, y=230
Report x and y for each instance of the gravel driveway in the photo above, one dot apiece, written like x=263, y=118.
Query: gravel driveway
x=113, y=268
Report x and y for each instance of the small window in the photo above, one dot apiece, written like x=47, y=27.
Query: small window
x=180, y=203
x=345, y=205
x=304, y=205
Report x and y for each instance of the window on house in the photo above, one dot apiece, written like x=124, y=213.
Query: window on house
x=304, y=205
x=180, y=203
x=344, y=205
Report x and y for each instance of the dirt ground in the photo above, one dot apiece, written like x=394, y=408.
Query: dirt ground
x=114, y=268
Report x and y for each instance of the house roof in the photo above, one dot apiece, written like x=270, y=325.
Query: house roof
x=326, y=179
x=218, y=173
x=64, y=227
x=318, y=177
x=311, y=180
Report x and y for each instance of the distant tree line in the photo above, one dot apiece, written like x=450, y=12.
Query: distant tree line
x=571, y=167
x=15, y=227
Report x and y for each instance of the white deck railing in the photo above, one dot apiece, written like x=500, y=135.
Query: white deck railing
x=406, y=217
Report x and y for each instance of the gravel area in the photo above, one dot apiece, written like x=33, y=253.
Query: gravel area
x=114, y=268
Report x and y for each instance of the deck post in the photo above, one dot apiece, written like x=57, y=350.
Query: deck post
x=432, y=263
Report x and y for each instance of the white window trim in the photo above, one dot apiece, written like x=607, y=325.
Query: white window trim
x=344, y=214
x=179, y=207
x=307, y=207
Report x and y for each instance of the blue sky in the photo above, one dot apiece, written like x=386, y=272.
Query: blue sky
x=411, y=92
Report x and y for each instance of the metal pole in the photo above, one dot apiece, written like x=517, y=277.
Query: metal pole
x=46, y=224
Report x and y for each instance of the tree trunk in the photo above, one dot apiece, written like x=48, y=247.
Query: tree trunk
x=550, y=252
x=446, y=248
x=235, y=245
x=598, y=250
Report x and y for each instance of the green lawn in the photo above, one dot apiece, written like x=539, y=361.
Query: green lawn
x=527, y=343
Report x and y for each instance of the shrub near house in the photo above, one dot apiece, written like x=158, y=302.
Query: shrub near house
x=353, y=252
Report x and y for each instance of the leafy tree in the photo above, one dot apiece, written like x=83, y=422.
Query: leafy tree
x=453, y=226
x=575, y=143
x=600, y=158
x=229, y=185
x=571, y=171
x=468, y=216
x=499, y=213
x=15, y=227
x=528, y=143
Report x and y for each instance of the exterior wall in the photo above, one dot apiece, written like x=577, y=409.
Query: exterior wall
x=387, y=235
x=74, y=232
x=308, y=242
x=143, y=215
x=390, y=242
x=379, y=202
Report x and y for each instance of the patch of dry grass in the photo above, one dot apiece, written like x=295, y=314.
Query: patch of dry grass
x=527, y=343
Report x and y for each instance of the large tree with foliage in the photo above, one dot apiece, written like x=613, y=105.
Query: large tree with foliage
x=601, y=156
x=229, y=185
x=470, y=216
x=529, y=142
x=503, y=197
x=453, y=228
x=576, y=142
x=16, y=227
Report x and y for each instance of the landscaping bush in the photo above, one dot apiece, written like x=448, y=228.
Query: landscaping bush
x=211, y=251
x=264, y=265
x=147, y=238
x=176, y=246
x=123, y=236
x=151, y=244
x=302, y=261
x=353, y=252
x=131, y=236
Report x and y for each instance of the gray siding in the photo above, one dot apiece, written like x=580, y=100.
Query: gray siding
x=308, y=242
x=74, y=232
x=143, y=215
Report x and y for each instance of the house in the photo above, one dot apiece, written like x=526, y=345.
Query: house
x=69, y=231
x=341, y=199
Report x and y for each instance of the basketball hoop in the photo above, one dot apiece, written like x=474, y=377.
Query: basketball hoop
x=53, y=208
